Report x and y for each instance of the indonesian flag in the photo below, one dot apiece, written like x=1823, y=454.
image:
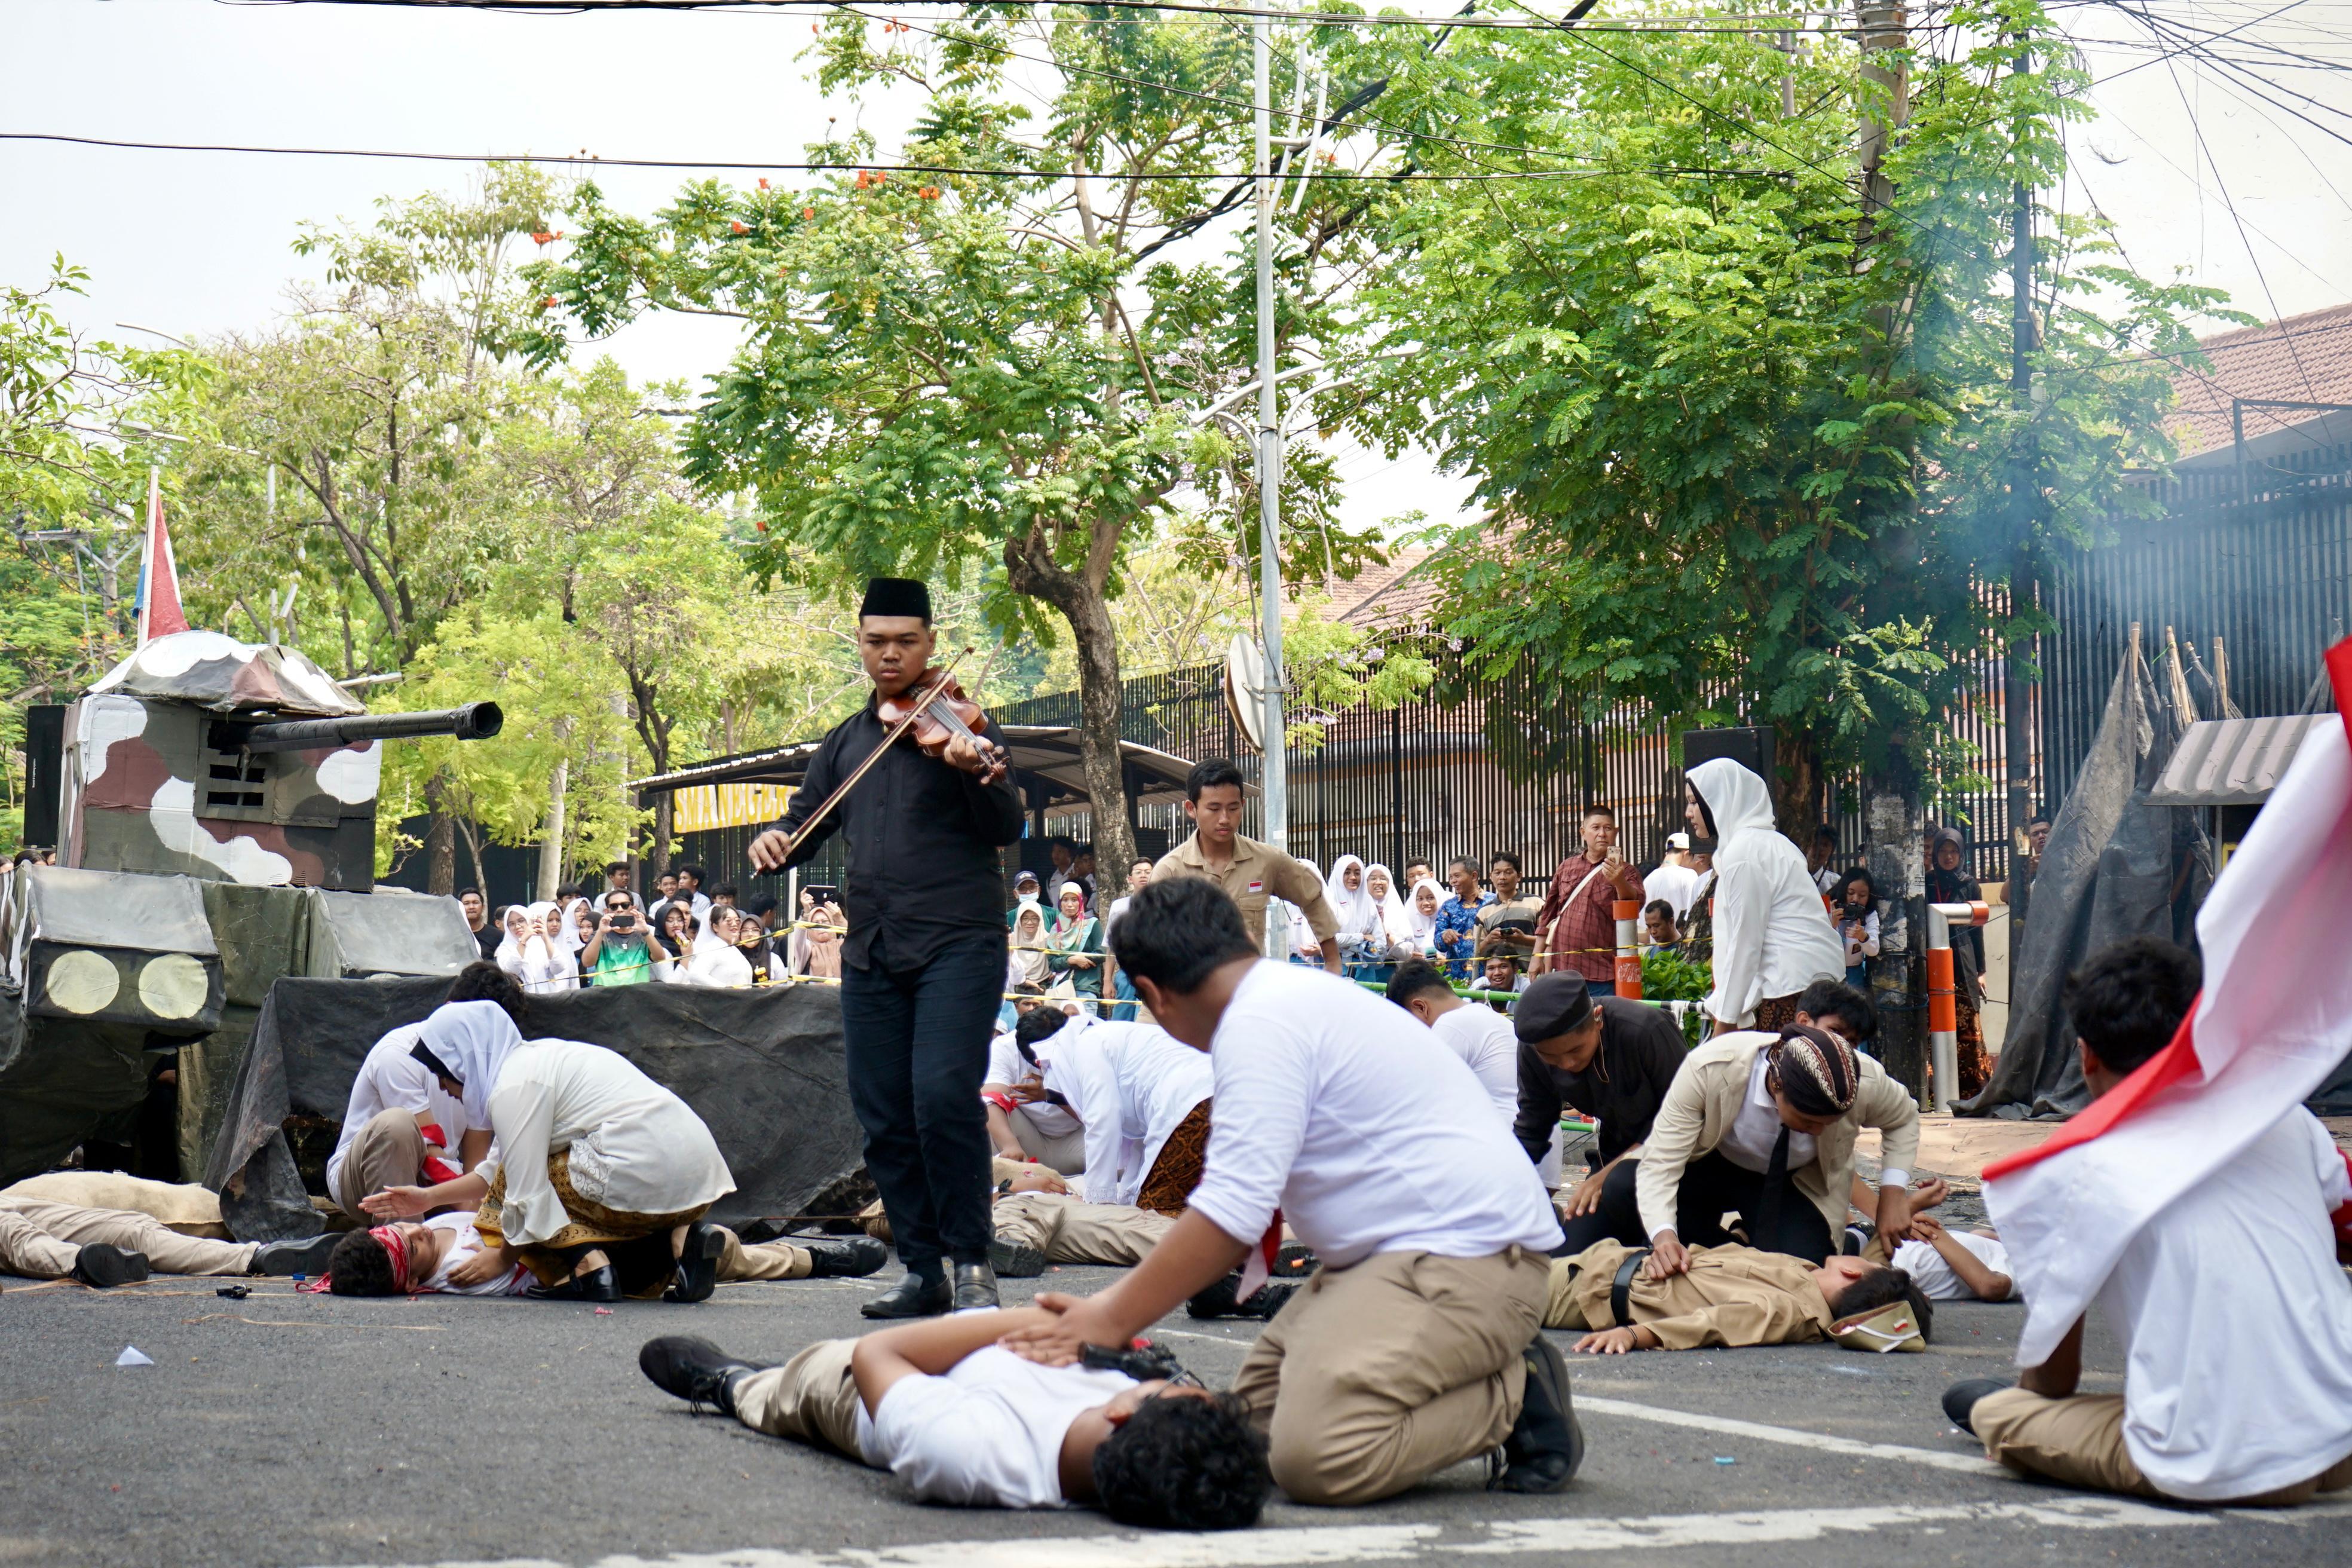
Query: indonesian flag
x=2274, y=1020
x=159, y=575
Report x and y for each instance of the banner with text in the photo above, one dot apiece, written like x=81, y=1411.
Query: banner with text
x=700, y=808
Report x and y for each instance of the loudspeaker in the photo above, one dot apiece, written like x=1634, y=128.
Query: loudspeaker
x=1751, y=748
x=44, y=751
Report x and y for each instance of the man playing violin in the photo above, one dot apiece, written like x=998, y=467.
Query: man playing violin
x=923, y=960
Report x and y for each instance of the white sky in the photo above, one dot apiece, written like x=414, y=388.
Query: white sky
x=198, y=242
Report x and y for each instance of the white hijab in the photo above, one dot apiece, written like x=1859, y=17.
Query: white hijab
x=510, y=946
x=570, y=926
x=1396, y=926
x=472, y=1041
x=538, y=963
x=1425, y=926
x=1035, y=970
x=1358, y=915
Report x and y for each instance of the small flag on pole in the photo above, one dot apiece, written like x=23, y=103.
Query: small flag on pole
x=159, y=575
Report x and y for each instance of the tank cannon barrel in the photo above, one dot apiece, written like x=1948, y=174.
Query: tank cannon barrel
x=474, y=721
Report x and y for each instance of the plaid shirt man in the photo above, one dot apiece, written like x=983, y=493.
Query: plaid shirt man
x=1577, y=928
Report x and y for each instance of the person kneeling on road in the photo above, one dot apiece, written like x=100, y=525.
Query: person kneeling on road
x=1729, y=1296
x=963, y=1420
x=1419, y=1343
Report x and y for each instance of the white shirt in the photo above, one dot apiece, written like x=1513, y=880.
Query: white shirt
x=465, y=1245
x=1486, y=1041
x=1935, y=1276
x=392, y=1079
x=1748, y=1142
x=635, y=1146
x=1131, y=1085
x=1673, y=883
x=1008, y=1066
x=989, y=1433
x=1338, y=1108
x=1772, y=933
x=2239, y=1376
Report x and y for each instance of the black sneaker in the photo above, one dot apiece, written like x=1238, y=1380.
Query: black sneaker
x=1294, y=1260
x=841, y=1257
x=694, y=1370
x=100, y=1266
x=1014, y=1259
x=1223, y=1300
x=307, y=1255
x=1547, y=1443
x=1961, y=1399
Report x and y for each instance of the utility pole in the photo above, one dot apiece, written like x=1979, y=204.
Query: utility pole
x=1275, y=781
x=1895, y=819
x=2017, y=696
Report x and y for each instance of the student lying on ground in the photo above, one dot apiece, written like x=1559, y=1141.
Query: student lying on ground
x=399, y=1129
x=41, y=1239
x=445, y=1254
x=1946, y=1264
x=1040, y=1221
x=963, y=1420
x=2235, y=1316
x=1725, y=1106
x=1420, y=1344
x=1728, y=1296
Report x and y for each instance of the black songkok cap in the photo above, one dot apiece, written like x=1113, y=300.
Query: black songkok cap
x=1551, y=1004
x=896, y=596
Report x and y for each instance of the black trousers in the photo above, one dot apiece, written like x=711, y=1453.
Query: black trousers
x=917, y=1049
x=1711, y=1187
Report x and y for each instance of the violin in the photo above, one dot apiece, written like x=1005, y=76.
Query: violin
x=933, y=711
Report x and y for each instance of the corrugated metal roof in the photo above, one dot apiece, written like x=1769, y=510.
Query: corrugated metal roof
x=2232, y=762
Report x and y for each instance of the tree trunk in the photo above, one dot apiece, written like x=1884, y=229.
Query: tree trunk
x=440, y=842
x=551, y=851
x=1031, y=569
x=657, y=857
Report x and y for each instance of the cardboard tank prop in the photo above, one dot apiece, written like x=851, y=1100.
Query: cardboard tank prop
x=213, y=803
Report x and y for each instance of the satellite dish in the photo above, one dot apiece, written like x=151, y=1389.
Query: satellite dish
x=1244, y=684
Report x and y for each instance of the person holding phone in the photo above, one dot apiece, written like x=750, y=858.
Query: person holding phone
x=623, y=949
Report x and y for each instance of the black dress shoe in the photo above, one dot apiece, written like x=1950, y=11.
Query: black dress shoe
x=698, y=1263
x=975, y=1287
x=694, y=1370
x=1014, y=1259
x=1294, y=1260
x=101, y=1265
x=843, y=1257
x=1960, y=1400
x=1223, y=1300
x=914, y=1295
x=1547, y=1443
x=307, y=1255
x=597, y=1284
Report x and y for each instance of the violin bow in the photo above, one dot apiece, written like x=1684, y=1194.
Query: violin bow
x=896, y=729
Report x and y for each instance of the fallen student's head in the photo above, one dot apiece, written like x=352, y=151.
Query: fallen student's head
x=388, y=1260
x=1169, y=1457
x=1854, y=1288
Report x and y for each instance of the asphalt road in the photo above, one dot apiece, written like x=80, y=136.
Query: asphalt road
x=287, y=1430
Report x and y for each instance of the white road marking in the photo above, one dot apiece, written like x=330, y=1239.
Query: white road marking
x=1319, y=1544
x=1732, y=1427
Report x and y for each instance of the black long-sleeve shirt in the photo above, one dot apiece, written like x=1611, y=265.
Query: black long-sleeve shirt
x=1642, y=1048
x=923, y=845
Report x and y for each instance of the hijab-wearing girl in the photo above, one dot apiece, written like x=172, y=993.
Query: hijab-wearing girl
x=677, y=936
x=1073, y=943
x=1395, y=940
x=1029, y=947
x=1422, y=911
x=1949, y=882
x=1354, y=907
x=716, y=961
x=533, y=951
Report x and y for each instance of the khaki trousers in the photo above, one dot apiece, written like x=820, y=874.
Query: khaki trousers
x=388, y=1152
x=1071, y=1230
x=1374, y=1377
x=763, y=1260
x=811, y=1398
x=2079, y=1440
x=1065, y=1155
x=1560, y=1308
x=40, y=1240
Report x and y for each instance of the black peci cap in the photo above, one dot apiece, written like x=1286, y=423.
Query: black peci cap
x=1551, y=1004
x=896, y=596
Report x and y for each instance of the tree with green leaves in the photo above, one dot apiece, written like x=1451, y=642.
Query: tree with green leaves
x=1741, y=466
x=1007, y=379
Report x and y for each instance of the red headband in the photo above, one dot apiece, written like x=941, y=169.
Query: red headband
x=397, y=1244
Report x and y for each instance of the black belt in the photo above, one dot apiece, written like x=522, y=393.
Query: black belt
x=1621, y=1290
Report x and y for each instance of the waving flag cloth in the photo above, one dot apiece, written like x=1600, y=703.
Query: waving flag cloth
x=2274, y=1020
x=159, y=575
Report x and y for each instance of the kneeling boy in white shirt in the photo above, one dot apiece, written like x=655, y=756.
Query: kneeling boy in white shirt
x=940, y=1405
x=1417, y=1346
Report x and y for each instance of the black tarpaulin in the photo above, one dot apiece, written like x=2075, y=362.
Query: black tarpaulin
x=763, y=1067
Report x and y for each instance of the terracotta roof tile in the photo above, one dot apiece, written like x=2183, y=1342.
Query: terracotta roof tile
x=2303, y=357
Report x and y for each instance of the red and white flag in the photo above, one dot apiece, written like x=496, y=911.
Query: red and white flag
x=159, y=575
x=2274, y=1020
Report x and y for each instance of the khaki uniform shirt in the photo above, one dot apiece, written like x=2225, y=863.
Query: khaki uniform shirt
x=1731, y=1296
x=1258, y=872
